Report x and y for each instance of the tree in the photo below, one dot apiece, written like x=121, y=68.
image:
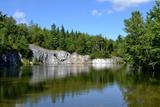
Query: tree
x=153, y=34
x=135, y=29
x=143, y=39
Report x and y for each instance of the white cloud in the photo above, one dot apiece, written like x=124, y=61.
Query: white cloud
x=96, y=13
x=119, y=5
x=20, y=17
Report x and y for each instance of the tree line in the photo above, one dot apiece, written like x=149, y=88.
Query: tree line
x=17, y=37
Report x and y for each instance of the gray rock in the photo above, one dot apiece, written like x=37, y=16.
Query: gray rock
x=12, y=58
x=77, y=59
x=113, y=60
x=62, y=57
x=56, y=57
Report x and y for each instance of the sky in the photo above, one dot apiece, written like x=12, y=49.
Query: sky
x=94, y=17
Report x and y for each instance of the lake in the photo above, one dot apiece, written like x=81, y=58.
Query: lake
x=78, y=86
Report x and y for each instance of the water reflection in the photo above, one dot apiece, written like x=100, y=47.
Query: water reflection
x=142, y=90
x=44, y=72
x=106, y=66
x=10, y=72
x=77, y=86
x=142, y=95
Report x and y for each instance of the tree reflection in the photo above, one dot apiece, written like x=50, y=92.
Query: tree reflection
x=143, y=90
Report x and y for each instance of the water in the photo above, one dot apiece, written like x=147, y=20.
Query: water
x=77, y=86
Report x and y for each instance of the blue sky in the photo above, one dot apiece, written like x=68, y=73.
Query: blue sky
x=91, y=16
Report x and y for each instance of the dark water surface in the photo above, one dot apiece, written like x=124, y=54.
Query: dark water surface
x=77, y=86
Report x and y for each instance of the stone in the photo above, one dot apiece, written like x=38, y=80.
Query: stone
x=12, y=58
x=56, y=57
x=113, y=60
x=53, y=57
x=78, y=59
x=99, y=61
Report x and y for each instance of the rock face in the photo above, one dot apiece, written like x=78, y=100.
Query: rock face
x=12, y=58
x=56, y=57
x=113, y=60
x=53, y=57
x=77, y=59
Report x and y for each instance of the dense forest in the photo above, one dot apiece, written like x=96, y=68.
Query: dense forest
x=141, y=46
x=18, y=36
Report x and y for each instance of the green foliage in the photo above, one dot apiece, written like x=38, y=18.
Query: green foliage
x=12, y=36
x=142, y=44
x=118, y=47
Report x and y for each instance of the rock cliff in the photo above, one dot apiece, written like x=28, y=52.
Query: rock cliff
x=46, y=56
x=56, y=57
